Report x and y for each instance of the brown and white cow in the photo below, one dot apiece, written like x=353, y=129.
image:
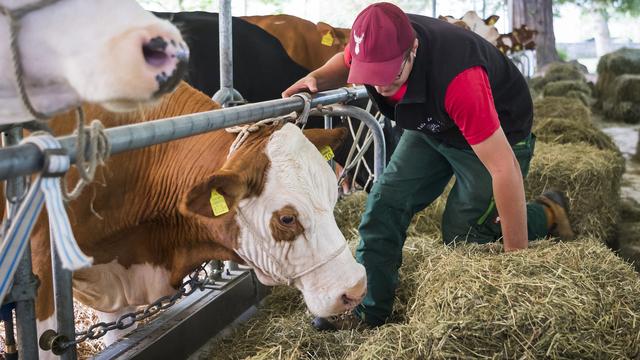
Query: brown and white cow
x=156, y=223
x=308, y=44
x=473, y=22
x=111, y=52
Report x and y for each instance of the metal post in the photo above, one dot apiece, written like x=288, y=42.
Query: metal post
x=24, y=278
x=226, y=45
x=62, y=288
x=226, y=93
x=433, y=8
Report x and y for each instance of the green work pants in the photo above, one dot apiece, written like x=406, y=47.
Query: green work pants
x=417, y=174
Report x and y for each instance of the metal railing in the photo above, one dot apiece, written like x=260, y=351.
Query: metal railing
x=21, y=160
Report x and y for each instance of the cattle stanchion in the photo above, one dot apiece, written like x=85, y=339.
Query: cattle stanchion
x=24, y=282
x=20, y=160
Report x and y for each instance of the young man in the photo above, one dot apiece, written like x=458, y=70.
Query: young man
x=466, y=111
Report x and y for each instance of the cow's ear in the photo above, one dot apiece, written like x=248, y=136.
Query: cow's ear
x=222, y=191
x=323, y=137
x=491, y=20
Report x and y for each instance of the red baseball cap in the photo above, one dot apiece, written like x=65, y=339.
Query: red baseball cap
x=380, y=36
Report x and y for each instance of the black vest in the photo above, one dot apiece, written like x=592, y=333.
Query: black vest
x=445, y=50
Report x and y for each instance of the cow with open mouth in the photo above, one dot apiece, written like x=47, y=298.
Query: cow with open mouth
x=62, y=52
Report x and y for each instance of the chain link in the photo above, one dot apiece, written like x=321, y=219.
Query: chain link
x=196, y=282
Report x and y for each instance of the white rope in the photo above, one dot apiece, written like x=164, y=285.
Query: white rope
x=44, y=189
x=244, y=131
x=99, y=151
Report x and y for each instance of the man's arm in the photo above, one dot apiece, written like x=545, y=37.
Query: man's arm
x=508, y=188
x=331, y=75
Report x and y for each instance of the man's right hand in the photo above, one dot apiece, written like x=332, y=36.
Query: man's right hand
x=308, y=82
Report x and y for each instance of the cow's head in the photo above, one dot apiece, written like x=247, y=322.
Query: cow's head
x=281, y=192
x=111, y=52
x=484, y=28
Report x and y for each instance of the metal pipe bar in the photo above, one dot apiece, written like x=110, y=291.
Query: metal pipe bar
x=23, y=278
x=26, y=159
x=226, y=44
x=378, y=136
x=226, y=93
x=63, y=291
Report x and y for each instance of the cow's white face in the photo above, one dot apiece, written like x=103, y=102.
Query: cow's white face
x=285, y=229
x=289, y=233
x=111, y=52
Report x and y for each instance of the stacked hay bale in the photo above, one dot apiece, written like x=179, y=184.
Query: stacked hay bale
x=618, y=85
x=562, y=79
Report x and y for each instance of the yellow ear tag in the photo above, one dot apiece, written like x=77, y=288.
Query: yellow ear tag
x=327, y=39
x=327, y=153
x=218, y=204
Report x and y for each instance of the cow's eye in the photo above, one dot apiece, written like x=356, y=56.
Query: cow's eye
x=287, y=219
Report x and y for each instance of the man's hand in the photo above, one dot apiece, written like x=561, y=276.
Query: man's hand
x=308, y=82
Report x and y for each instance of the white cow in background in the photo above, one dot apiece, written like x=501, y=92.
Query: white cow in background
x=473, y=22
x=110, y=52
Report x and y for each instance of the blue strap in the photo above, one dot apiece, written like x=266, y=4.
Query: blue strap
x=43, y=189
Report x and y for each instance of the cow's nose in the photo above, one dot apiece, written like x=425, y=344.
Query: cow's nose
x=351, y=302
x=169, y=59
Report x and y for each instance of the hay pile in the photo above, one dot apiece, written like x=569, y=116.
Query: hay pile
x=569, y=88
x=565, y=74
x=568, y=131
x=589, y=176
x=575, y=300
x=615, y=96
x=612, y=65
x=561, y=107
x=624, y=103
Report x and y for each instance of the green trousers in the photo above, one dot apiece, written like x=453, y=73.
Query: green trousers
x=417, y=174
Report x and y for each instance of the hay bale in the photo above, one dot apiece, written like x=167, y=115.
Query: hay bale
x=624, y=103
x=567, y=131
x=563, y=71
x=557, y=71
x=589, y=176
x=569, y=88
x=561, y=88
x=584, y=98
x=612, y=65
x=561, y=107
x=566, y=300
x=573, y=300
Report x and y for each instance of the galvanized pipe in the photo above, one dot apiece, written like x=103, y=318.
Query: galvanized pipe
x=378, y=136
x=226, y=44
x=26, y=159
x=63, y=291
x=225, y=33
x=23, y=278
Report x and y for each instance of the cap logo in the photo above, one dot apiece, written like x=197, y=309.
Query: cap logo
x=358, y=40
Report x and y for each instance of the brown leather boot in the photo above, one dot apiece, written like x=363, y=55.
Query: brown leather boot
x=557, y=205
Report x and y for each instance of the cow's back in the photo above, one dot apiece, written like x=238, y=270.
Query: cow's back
x=262, y=70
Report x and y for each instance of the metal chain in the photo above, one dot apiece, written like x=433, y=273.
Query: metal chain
x=96, y=331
